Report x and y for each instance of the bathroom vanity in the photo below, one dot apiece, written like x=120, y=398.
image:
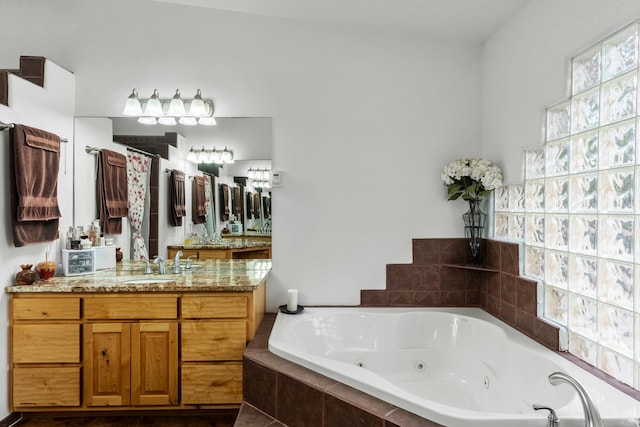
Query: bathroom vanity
x=228, y=248
x=122, y=339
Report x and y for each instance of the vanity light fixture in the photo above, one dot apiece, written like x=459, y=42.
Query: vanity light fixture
x=170, y=112
x=210, y=156
x=260, y=178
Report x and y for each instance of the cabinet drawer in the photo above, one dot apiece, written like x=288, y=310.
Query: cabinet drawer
x=46, y=343
x=212, y=384
x=131, y=307
x=213, y=254
x=211, y=307
x=46, y=308
x=217, y=340
x=46, y=386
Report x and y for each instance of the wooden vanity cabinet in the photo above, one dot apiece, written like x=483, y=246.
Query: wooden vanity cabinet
x=256, y=252
x=45, y=352
x=130, y=351
x=214, y=336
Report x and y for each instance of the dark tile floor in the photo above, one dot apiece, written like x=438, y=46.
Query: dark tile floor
x=156, y=420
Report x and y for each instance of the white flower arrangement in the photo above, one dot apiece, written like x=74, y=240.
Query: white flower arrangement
x=471, y=179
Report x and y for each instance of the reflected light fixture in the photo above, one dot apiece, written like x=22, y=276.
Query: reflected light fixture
x=203, y=155
x=170, y=112
x=260, y=178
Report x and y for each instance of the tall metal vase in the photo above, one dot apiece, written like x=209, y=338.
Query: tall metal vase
x=474, y=222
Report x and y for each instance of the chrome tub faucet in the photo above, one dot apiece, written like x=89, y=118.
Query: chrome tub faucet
x=591, y=414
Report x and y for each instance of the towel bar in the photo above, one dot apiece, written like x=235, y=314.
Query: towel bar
x=5, y=126
x=96, y=150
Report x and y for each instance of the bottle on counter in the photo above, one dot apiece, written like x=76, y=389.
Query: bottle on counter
x=67, y=243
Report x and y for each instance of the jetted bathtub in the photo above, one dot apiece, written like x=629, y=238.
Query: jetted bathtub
x=456, y=366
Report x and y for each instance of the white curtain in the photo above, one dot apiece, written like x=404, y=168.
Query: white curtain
x=138, y=169
x=210, y=225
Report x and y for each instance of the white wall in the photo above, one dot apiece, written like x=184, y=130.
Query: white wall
x=363, y=123
x=526, y=68
x=50, y=108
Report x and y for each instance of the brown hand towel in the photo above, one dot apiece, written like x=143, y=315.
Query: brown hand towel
x=266, y=207
x=236, y=202
x=256, y=205
x=177, y=205
x=249, y=203
x=224, y=199
x=34, y=166
x=112, y=190
x=198, y=209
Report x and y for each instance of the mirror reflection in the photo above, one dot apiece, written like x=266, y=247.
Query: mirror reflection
x=237, y=198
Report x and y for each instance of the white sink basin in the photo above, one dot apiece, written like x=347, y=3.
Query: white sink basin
x=148, y=281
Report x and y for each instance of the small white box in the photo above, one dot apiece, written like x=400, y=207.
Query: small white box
x=76, y=262
x=105, y=257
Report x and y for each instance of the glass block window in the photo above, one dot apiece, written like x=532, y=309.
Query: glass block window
x=578, y=211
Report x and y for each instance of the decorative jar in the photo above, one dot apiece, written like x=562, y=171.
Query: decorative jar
x=46, y=269
x=26, y=276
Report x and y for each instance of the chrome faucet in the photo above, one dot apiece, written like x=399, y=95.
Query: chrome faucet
x=552, y=419
x=161, y=268
x=591, y=414
x=187, y=263
x=176, y=262
x=147, y=268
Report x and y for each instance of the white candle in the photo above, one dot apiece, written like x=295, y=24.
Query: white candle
x=292, y=300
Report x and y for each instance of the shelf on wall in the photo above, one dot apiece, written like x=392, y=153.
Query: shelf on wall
x=472, y=267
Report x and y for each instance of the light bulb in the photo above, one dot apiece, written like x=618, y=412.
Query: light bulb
x=215, y=156
x=176, y=108
x=144, y=120
x=203, y=157
x=167, y=121
x=226, y=156
x=132, y=106
x=154, y=106
x=197, y=108
x=207, y=121
x=188, y=121
x=192, y=156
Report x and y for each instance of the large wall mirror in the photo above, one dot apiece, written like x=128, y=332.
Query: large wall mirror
x=248, y=138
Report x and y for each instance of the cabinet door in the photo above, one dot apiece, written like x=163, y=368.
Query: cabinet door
x=107, y=356
x=154, y=363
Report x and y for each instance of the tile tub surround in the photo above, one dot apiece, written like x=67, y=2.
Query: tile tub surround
x=277, y=391
x=432, y=280
x=314, y=400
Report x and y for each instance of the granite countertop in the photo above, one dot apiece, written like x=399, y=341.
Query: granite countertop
x=225, y=244
x=205, y=276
